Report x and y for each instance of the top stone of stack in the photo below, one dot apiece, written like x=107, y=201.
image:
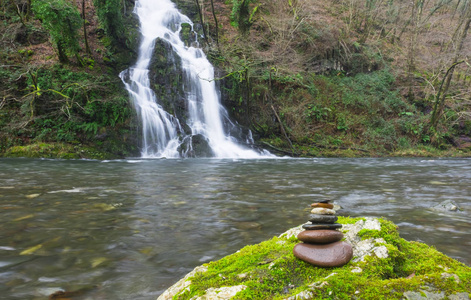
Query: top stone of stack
x=322, y=205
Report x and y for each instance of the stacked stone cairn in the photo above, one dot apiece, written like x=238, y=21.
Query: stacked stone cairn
x=322, y=245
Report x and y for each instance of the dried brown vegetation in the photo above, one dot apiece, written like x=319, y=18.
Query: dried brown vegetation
x=294, y=49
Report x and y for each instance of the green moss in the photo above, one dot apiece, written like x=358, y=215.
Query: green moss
x=348, y=220
x=269, y=270
x=55, y=150
x=388, y=232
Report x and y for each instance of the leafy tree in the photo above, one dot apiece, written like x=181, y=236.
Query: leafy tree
x=111, y=18
x=62, y=19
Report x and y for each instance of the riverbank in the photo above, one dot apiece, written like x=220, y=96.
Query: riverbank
x=284, y=71
x=352, y=152
x=59, y=150
x=384, y=266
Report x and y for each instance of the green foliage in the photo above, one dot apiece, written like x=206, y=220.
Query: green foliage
x=372, y=92
x=414, y=126
x=241, y=17
x=111, y=18
x=70, y=106
x=62, y=19
x=317, y=112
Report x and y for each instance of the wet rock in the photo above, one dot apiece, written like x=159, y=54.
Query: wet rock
x=248, y=225
x=182, y=284
x=320, y=236
x=167, y=78
x=321, y=226
x=201, y=146
x=195, y=146
x=331, y=255
x=447, y=206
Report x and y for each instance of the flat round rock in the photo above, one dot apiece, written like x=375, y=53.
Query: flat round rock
x=322, y=226
x=322, y=236
x=323, y=218
x=330, y=255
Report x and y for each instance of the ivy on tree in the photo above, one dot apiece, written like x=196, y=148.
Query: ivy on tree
x=62, y=19
x=111, y=18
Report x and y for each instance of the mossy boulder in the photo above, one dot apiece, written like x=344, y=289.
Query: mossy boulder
x=384, y=266
x=56, y=150
x=167, y=80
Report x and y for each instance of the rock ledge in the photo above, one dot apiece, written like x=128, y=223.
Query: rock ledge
x=384, y=266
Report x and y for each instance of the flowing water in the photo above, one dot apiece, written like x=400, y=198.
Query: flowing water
x=162, y=133
x=128, y=229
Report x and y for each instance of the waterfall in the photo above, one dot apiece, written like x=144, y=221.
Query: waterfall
x=162, y=133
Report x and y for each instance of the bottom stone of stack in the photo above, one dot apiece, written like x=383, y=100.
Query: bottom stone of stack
x=329, y=255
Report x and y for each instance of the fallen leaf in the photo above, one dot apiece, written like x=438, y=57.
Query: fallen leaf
x=104, y=206
x=438, y=182
x=147, y=250
x=23, y=218
x=98, y=261
x=31, y=250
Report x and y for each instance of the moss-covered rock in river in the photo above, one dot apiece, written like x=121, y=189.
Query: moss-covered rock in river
x=57, y=150
x=384, y=266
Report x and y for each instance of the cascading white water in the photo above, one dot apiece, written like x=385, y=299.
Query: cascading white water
x=160, y=19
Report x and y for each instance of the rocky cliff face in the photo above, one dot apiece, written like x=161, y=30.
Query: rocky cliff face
x=383, y=266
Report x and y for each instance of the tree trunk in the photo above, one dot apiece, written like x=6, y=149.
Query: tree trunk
x=215, y=23
x=87, y=47
x=61, y=53
x=417, y=9
x=200, y=12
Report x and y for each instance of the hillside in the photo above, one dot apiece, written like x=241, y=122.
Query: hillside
x=315, y=77
x=60, y=92
x=309, y=78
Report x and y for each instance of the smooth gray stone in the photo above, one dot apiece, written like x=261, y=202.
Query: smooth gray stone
x=322, y=226
x=322, y=218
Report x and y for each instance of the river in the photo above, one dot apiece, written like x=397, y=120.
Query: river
x=128, y=229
